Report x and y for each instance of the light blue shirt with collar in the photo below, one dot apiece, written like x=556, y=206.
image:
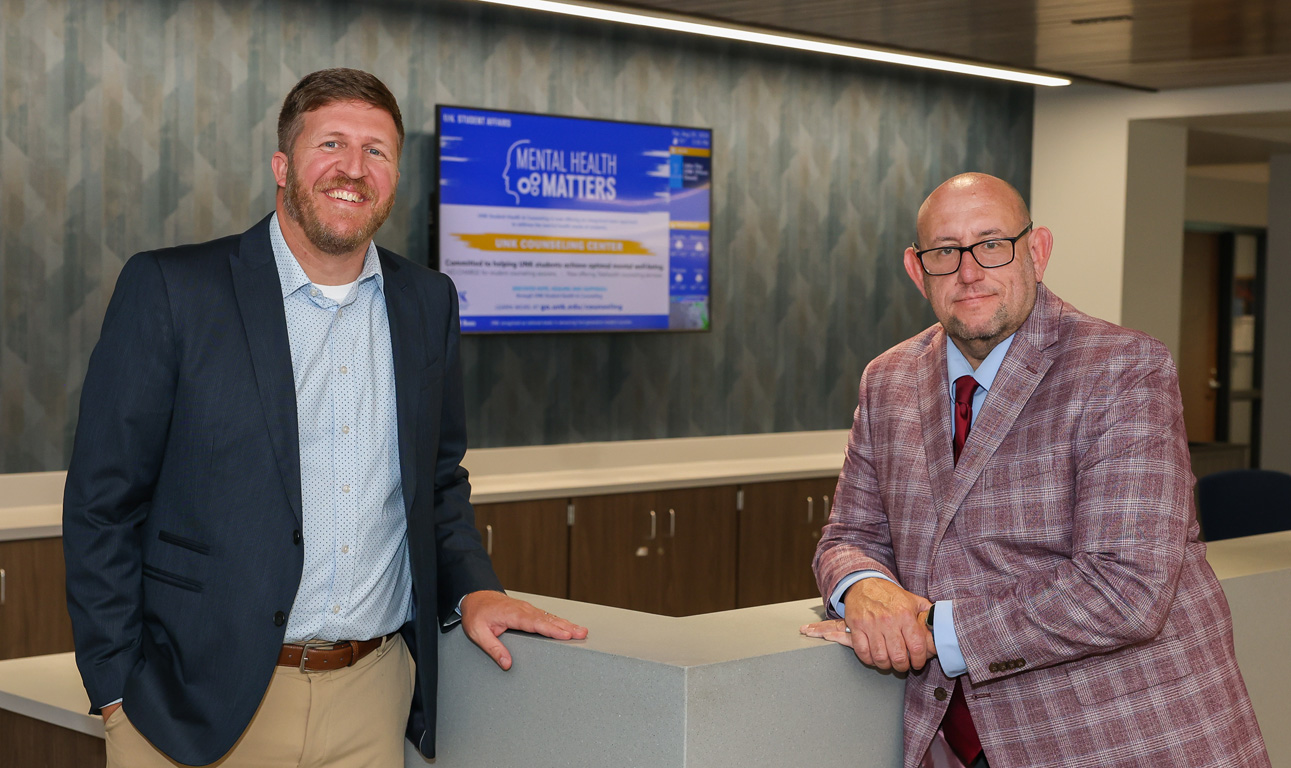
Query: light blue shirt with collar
x=357, y=581
x=943, y=629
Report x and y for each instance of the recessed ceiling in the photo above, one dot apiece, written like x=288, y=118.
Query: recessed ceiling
x=1154, y=44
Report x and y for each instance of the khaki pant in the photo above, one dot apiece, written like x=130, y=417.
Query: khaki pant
x=344, y=718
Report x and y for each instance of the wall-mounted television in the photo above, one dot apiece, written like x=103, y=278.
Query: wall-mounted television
x=550, y=224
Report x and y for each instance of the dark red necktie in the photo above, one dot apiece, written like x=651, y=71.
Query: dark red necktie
x=957, y=726
x=964, y=388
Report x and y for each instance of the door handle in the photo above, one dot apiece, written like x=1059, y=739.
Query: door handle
x=488, y=549
x=653, y=525
x=672, y=523
x=826, y=505
x=810, y=510
x=2, y=586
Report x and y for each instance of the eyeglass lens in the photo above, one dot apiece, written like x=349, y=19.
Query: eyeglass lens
x=989, y=253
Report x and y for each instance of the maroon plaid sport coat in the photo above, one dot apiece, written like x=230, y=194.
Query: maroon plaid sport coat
x=1094, y=630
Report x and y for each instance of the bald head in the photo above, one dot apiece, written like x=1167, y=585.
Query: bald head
x=971, y=189
x=979, y=306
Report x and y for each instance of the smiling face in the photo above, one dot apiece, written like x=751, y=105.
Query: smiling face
x=338, y=186
x=979, y=307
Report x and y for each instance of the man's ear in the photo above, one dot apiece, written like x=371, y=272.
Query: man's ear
x=279, y=166
x=915, y=270
x=1041, y=245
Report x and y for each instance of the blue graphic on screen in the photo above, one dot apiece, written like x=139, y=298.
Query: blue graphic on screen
x=566, y=224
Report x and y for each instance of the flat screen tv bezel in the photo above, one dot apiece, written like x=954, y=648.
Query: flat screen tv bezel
x=434, y=207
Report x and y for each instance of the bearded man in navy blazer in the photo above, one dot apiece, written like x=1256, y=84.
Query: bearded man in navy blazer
x=266, y=521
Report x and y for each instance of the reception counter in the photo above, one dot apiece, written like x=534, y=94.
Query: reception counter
x=736, y=688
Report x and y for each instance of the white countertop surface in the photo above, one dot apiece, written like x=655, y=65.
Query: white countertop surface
x=1249, y=555
x=48, y=688
x=40, y=521
x=31, y=503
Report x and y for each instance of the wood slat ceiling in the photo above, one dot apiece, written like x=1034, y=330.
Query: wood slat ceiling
x=1156, y=44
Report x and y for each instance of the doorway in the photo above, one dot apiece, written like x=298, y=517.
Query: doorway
x=1222, y=327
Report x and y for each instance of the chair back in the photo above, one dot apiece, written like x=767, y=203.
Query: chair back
x=1243, y=502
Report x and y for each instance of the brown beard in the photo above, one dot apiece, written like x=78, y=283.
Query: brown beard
x=301, y=207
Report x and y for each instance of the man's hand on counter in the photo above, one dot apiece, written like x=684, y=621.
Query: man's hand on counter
x=884, y=626
x=487, y=614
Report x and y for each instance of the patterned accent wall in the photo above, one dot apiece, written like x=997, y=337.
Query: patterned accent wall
x=134, y=124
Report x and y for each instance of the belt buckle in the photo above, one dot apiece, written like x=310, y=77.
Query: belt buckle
x=304, y=652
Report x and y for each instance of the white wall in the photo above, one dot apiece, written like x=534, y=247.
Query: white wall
x=1079, y=175
x=1226, y=201
x=1275, y=420
x=1156, y=164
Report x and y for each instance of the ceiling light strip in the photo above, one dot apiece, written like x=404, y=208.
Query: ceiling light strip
x=751, y=35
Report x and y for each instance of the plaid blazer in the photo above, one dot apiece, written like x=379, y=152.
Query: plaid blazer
x=1094, y=630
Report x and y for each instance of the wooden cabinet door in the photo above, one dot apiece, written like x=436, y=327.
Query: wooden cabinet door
x=33, y=614
x=528, y=542
x=698, y=530
x=616, y=553
x=779, y=529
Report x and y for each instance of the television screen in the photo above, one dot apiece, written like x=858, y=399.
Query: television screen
x=567, y=224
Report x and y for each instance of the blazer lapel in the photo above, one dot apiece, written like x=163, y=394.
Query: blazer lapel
x=259, y=297
x=405, y=344
x=934, y=414
x=1020, y=373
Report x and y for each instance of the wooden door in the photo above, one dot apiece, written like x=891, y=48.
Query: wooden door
x=615, y=552
x=779, y=528
x=699, y=535
x=1199, y=334
x=33, y=613
x=528, y=542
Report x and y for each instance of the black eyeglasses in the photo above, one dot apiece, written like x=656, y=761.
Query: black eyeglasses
x=945, y=259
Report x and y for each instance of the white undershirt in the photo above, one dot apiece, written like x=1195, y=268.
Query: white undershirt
x=337, y=293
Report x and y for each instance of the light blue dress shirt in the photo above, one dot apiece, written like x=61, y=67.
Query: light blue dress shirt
x=943, y=619
x=357, y=582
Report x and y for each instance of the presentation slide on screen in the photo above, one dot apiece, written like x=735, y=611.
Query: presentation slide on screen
x=564, y=224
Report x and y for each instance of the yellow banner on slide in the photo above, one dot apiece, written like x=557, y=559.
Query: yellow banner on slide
x=492, y=241
x=695, y=225
x=691, y=151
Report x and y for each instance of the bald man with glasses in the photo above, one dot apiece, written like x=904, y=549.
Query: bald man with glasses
x=1014, y=527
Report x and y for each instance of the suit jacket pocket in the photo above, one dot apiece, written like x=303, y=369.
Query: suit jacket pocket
x=1011, y=471
x=1129, y=670
x=192, y=545
x=173, y=579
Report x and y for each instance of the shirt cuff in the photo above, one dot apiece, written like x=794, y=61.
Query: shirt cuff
x=836, y=599
x=943, y=634
x=110, y=703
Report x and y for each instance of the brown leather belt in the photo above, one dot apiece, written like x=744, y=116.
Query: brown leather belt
x=317, y=658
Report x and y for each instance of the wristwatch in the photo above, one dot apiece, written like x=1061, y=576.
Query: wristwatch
x=928, y=620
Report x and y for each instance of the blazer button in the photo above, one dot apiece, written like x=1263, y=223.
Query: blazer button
x=995, y=666
x=296, y=538
x=940, y=694
x=1021, y=663
x=279, y=619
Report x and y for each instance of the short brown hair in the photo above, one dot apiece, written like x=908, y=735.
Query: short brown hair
x=327, y=86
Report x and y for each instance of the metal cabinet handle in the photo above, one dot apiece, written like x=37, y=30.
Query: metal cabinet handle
x=672, y=523
x=826, y=510
x=2, y=586
x=488, y=548
x=653, y=525
x=810, y=510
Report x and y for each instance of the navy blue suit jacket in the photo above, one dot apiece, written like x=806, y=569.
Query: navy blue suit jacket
x=182, y=512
